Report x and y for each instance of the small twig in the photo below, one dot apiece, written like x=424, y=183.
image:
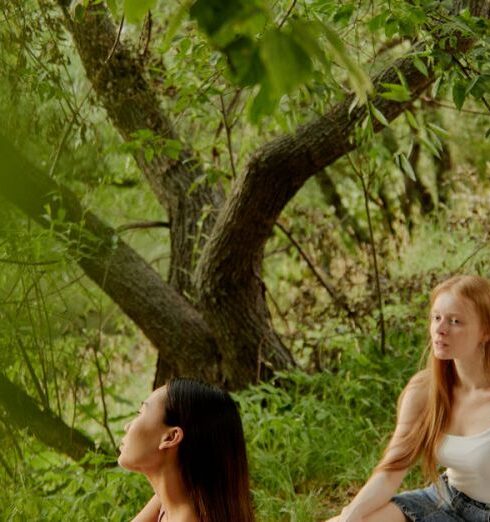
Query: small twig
x=230, y=107
x=8, y=261
x=148, y=29
x=375, y=263
x=143, y=225
x=281, y=314
x=473, y=254
x=259, y=358
x=69, y=127
x=432, y=101
x=6, y=466
x=116, y=42
x=288, y=12
x=228, y=135
x=329, y=288
x=105, y=418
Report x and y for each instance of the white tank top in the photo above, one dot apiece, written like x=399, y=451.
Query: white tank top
x=467, y=460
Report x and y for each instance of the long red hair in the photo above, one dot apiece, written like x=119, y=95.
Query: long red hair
x=423, y=439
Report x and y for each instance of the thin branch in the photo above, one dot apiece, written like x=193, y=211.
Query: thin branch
x=472, y=255
x=147, y=28
x=332, y=292
x=105, y=416
x=143, y=225
x=230, y=107
x=228, y=135
x=116, y=41
x=432, y=101
x=6, y=466
x=365, y=191
x=8, y=261
x=288, y=13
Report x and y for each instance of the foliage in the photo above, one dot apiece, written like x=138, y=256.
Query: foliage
x=307, y=436
x=314, y=434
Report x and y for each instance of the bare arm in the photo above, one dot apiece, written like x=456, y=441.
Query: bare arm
x=382, y=485
x=150, y=512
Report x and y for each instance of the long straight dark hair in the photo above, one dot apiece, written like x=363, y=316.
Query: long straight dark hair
x=212, y=454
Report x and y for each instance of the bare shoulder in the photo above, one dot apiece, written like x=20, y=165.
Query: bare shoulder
x=414, y=396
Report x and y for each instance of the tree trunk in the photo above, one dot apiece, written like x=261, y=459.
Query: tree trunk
x=170, y=322
x=118, y=78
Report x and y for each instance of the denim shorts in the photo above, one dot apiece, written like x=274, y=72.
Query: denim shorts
x=441, y=503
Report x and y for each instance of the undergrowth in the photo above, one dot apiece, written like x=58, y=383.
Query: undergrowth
x=312, y=440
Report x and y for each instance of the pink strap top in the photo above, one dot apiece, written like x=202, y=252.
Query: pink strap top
x=160, y=514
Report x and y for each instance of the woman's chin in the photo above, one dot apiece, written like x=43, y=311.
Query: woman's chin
x=442, y=354
x=123, y=462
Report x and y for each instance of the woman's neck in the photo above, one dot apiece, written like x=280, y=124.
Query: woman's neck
x=472, y=374
x=169, y=488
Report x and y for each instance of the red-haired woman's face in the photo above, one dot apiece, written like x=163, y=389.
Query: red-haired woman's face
x=141, y=446
x=455, y=328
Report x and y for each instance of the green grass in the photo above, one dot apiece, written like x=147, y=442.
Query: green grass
x=312, y=440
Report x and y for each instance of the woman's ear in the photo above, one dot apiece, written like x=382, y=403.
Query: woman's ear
x=171, y=438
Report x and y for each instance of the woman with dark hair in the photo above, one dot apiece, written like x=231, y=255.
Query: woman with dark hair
x=443, y=417
x=188, y=441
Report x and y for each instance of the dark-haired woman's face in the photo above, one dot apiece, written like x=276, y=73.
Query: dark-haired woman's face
x=140, y=447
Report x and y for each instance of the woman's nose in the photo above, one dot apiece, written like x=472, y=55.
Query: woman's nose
x=441, y=327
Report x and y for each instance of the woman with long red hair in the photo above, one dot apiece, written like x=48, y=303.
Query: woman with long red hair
x=443, y=418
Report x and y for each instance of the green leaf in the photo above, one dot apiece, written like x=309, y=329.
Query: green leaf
x=135, y=10
x=378, y=115
x=306, y=35
x=263, y=104
x=79, y=12
x=412, y=121
x=395, y=92
x=287, y=64
x=443, y=133
x=358, y=79
x=171, y=148
x=391, y=27
x=407, y=167
x=420, y=66
x=459, y=94
x=435, y=87
x=479, y=86
x=430, y=146
x=174, y=24
x=343, y=14
x=244, y=61
x=377, y=22
x=223, y=21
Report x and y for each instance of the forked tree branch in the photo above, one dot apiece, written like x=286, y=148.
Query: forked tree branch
x=281, y=167
x=170, y=322
x=132, y=106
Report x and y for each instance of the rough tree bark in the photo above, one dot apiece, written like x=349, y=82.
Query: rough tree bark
x=227, y=276
x=118, y=78
x=228, y=286
x=171, y=323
